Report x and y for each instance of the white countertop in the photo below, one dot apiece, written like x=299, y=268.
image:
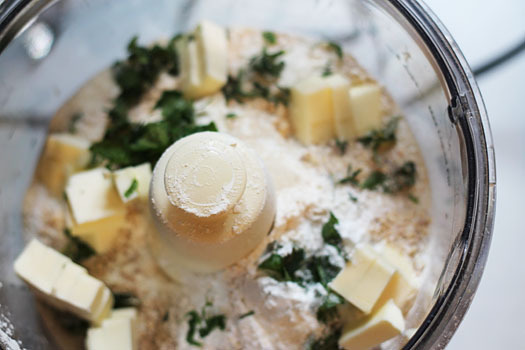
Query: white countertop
x=496, y=317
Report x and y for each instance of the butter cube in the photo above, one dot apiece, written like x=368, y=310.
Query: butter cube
x=312, y=111
x=124, y=179
x=342, y=108
x=103, y=310
x=98, y=212
x=367, y=108
x=65, y=285
x=403, y=286
x=116, y=332
x=40, y=266
x=63, y=155
x=204, y=60
x=385, y=324
x=363, y=279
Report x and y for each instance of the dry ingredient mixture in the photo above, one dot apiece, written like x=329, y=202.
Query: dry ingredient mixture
x=330, y=197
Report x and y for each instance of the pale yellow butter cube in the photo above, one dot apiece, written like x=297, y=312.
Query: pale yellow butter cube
x=92, y=196
x=312, y=111
x=403, y=286
x=115, y=332
x=103, y=309
x=124, y=178
x=85, y=296
x=363, y=279
x=63, y=155
x=213, y=49
x=367, y=108
x=40, y=266
x=385, y=324
x=98, y=211
x=342, y=109
x=66, y=282
x=204, y=60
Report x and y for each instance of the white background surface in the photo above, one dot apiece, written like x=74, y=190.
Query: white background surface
x=483, y=28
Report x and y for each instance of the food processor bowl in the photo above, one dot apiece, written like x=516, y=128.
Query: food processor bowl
x=48, y=49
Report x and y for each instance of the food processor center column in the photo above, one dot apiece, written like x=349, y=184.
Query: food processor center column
x=212, y=203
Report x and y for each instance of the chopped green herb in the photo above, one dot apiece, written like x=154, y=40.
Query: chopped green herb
x=249, y=313
x=140, y=70
x=132, y=188
x=327, y=71
x=341, y=145
x=75, y=118
x=336, y=48
x=202, y=324
x=352, y=197
x=231, y=115
x=375, y=180
x=351, y=176
x=122, y=300
x=236, y=89
x=283, y=268
x=329, y=342
x=322, y=270
x=329, y=232
x=327, y=312
x=126, y=144
x=267, y=65
x=381, y=139
x=404, y=177
x=76, y=249
x=166, y=316
x=269, y=38
x=413, y=198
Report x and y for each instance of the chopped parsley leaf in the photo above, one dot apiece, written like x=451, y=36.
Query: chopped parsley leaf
x=375, y=180
x=329, y=342
x=231, y=115
x=202, y=324
x=267, y=65
x=329, y=232
x=132, y=188
x=76, y=249
x=322, y=270
x=236, y=89
x=341, y=145
x=352, y=197
x=381, y=139
x=122, y=300
x=327, y=312
x=75, y=118
x=336, y=48
x=413, y=198
x=327, y=70
x=126, y=144
x=269, y=38
x=249, y=313
x=283, y=268
x=351, y=176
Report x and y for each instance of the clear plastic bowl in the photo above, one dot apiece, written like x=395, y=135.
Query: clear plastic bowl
x=48, y=49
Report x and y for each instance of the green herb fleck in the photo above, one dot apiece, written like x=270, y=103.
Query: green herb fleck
x=76, y=249
x=267, y=65
x=404, y=177
x=283, y=268
x=231, y=115
x=127, y=144
x=75, y=118
x=374, y=181
x=269, y=38
x=322, y=270
x=327, y=70
x=166, y=316
x=329, y=232
x=329, y=342
x=336, y=48
x=341, y=145
x=351, y=176
x=327, y=312
x=122, y=300
x=352, y=197
x=132, y=188
x=381, y=139
x=247, y=314
x=240, y=90
x=413, y=198
x=202, y=324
